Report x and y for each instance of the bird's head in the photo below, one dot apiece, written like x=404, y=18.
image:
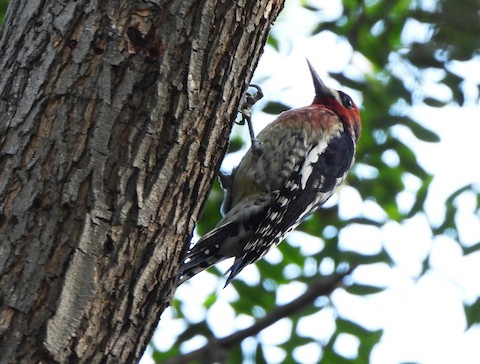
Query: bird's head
x=337, y=101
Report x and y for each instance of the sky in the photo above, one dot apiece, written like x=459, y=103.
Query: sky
x=423, y=319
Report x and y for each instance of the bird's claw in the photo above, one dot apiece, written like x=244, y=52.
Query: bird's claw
x=249, y=101
x=246, y=113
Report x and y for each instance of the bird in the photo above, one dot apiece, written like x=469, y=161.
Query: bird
x=293, y=167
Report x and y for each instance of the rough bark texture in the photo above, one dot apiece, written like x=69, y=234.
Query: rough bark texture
x=114, y=117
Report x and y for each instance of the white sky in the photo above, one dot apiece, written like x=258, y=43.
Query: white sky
x=422, y=319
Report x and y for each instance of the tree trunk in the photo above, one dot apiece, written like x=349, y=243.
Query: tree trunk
x=114, y=117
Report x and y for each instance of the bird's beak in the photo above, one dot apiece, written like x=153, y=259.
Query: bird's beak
x=320, y=88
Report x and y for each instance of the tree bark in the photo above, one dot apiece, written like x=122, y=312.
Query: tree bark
x=114, y=118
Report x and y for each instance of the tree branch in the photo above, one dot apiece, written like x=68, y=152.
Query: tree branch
x=321, y=287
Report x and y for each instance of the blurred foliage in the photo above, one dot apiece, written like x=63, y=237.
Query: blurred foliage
x=376, y=30
x=3, y=9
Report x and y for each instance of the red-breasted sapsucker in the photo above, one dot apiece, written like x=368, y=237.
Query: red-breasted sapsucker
x=292, y=168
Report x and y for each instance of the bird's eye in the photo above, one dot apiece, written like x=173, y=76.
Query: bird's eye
x=346, y=100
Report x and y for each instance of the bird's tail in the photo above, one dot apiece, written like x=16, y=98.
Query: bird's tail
x=206, y=252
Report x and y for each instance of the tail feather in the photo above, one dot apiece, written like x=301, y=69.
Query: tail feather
x=194, y=269
x=227, y=240
x=207, y=251
x=236, y=268
x=241, y=262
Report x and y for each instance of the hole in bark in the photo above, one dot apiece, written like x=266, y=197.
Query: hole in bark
x=108, y=245
x=154, y=52
x=72, y=44
x=37, y=202
x=73, y=358
x=3, y=219
x=98, y=50
x=136, y=37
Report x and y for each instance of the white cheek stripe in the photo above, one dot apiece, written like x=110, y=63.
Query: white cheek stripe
x=336, y=95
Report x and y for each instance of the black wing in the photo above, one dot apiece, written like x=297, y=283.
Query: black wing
x=310, y=185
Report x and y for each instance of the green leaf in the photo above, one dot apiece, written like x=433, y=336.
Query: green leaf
x=354, y=258
x=472, y=313
x=3, y=10
x=351, y=327
x=421, y=197
x=210, y=300
x=273, y=42
x=235, y=355
x=430, y=101
x=275, y=108
x=259, y=357
x=195, y=329
x=363, y=290
x=451, y=210
x=235, y=144
x=421, y=132
x=471, y=249
x=252, y=296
